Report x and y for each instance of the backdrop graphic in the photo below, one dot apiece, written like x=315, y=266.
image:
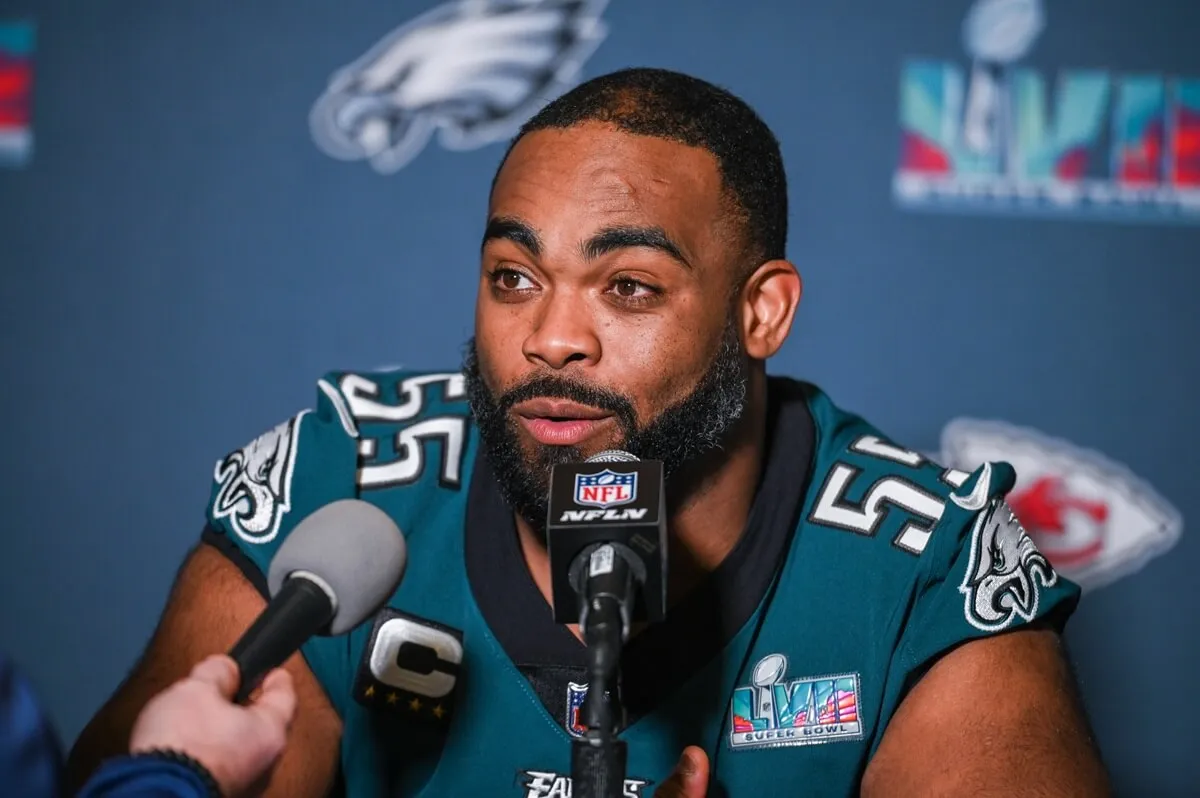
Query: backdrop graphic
x=1108, y=144
x=225, y=201
x=16, y=82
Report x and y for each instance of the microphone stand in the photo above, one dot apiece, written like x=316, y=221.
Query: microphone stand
x=598, y=758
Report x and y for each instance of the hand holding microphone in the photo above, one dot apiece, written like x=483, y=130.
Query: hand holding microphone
x=335, y=569
x=196, y=717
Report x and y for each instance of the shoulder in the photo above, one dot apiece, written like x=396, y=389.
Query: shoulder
x=397, y=416
x=366, y=431
x=868, y=483
x=949, y=535
x=400, y=440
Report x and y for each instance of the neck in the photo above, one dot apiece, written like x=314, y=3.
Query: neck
x=707, y=518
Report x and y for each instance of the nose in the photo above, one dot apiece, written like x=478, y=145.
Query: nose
x=565, y=333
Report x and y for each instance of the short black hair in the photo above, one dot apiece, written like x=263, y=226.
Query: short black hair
x=677, y=107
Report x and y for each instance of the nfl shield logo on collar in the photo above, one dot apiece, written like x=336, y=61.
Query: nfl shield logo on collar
x=605, y=489
x=576, y=693
x=576, y=696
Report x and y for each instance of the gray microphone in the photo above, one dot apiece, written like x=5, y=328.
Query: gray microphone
x=336, y=568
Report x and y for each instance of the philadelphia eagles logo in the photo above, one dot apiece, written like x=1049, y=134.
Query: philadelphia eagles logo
x=474, y=69
x=255, y=483
x=1004, y=571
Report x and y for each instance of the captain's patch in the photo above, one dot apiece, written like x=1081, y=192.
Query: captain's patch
x=410, y=668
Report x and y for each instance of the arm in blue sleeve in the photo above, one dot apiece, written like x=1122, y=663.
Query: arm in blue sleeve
x=144, y=777
x=31, y=759
x=30, y=756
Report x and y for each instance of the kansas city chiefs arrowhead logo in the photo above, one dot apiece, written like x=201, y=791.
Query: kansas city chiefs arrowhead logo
x=1093, y=519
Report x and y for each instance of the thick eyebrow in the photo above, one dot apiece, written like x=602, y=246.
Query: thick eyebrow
x=615, y=238
x=609, y=240
x=512, y=229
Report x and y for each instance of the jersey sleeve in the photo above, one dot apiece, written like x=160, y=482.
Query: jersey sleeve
x=982, y=575
x=261, y=491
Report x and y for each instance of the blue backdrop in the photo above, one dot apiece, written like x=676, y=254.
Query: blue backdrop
x=181, y=261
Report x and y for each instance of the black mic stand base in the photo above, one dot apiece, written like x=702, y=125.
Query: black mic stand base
x=597, y=767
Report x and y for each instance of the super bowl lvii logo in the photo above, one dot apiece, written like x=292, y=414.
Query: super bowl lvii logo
x=776, y=711
x=997, y=136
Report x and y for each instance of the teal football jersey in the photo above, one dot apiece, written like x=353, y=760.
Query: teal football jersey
x=894, y=561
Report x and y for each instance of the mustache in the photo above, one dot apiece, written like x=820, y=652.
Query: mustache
x=548, y=386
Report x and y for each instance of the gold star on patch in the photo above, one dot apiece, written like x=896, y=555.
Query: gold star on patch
x=415, y=704
x=393, y=698
x=438, y=711
x=369, y=692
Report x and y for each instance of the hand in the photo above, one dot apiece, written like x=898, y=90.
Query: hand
x=690, y=777
x=196, y=716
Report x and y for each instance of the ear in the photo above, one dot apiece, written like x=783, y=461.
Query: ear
x=768, y=305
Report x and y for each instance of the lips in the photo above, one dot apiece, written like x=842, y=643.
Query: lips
x=559, y=422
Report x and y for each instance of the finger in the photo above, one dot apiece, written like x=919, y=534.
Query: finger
x=277, y=697
x=690, y=777
x=220, y=671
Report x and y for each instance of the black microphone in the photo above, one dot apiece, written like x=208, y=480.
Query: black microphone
x=607, y=539
x=606, y=533
x=336, y=568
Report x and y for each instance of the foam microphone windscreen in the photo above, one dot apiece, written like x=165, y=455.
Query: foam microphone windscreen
x=612, y=456
x=355, y=549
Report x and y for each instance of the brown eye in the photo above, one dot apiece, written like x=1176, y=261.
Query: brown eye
x=510, y=280
x=633, y=293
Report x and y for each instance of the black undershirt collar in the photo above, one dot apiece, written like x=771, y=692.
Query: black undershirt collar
x=695, y=630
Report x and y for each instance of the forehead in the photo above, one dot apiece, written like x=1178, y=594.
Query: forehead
x=593, y=175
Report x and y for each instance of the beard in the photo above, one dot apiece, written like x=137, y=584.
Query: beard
x=679, y=436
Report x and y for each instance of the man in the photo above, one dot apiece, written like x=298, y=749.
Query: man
x=826, y=585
